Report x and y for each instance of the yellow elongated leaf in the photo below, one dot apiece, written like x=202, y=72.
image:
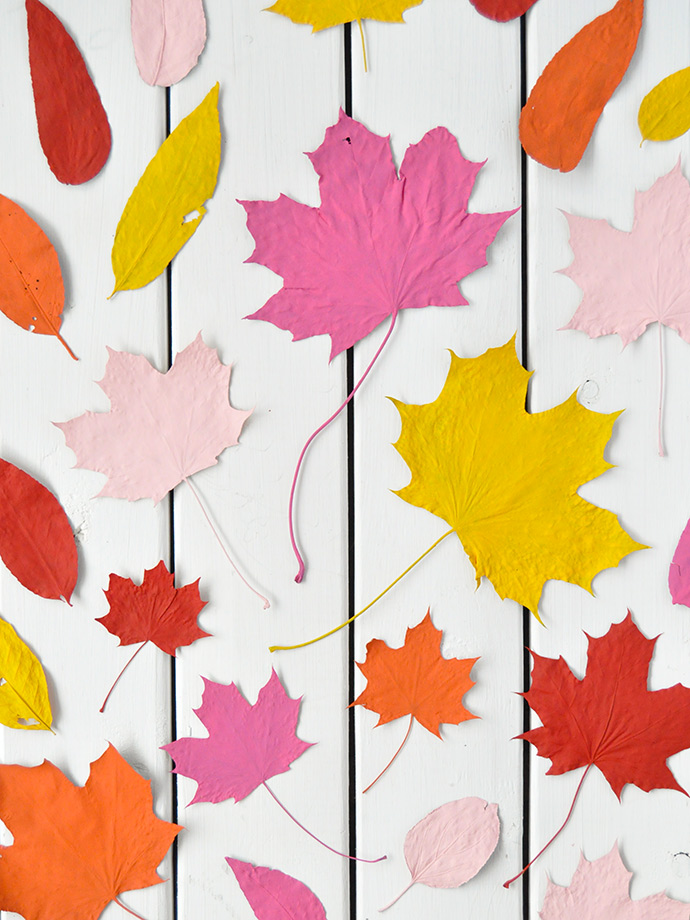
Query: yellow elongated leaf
x=665, y=110
x=24, y=699
x=323, y=14
x=156, y=221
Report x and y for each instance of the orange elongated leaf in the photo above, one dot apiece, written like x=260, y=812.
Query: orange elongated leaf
x=558, y=119
x=77, y=847
x=32, y=293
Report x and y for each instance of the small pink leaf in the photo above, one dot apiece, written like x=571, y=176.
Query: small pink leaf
x=601, y=889
x=679, y=571
x=449, y=846
x=168, y=37
x=272, y=895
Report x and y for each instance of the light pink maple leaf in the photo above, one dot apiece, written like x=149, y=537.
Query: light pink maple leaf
x=378, y=243
x=632, y=279
x=161, y=428
x=600, y=889
x=246, y=744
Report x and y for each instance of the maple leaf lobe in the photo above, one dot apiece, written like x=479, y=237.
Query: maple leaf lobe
x=378, y=243
x=77, y=847
x=161, y=428
x=609, y=718
x=521, y=523
x=416, y=680
x=246, y=744
x=154, y=611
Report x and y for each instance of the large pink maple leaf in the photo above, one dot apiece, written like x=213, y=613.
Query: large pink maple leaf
x=161, y=427
x=600, y=889
x=633, y=278
x=246, y=744
x=379, y=243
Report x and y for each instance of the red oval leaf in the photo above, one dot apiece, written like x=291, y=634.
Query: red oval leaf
x=72, y=124
x=36, y=540
x=502, y=10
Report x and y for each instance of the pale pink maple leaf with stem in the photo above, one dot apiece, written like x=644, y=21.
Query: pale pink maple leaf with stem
x=379, y=243
x=161, y=427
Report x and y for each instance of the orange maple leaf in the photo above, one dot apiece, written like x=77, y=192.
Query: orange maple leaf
x=77, y=847
x=415, y=680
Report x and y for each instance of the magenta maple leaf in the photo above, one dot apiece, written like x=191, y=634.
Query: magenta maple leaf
x=600, y=889
x=246, y=745
x=632, y=279
x=379, y=243
x=161, y=428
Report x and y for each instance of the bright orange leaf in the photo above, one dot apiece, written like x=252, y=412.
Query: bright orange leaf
x=415, y=680
x=77, y=847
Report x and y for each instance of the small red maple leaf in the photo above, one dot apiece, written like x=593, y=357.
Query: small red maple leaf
x=154, y=611
x=609, y=719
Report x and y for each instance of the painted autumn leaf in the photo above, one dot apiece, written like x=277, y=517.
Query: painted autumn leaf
x=679, y=570
x=609, y=719
x=154, y=611
x=36, y=540
x=521, y=523
x=273, y=895
x=76, y=848
x=633, y=278
x=403, y=242
x=247, y=744
x=161, y=428
x=559, y=117
x=32, y=292
x=24, y=701
x=168, y=37
x=600, y=889
x=502, y=10
x=323, y=14
x=415, y=680
x=665, y=111
x=72, y=124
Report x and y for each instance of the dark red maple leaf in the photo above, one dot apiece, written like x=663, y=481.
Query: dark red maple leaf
x=154, y=611
x=609, y=719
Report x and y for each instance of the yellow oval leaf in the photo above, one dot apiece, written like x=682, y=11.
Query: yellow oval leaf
x=665, y=110
x=24, y=699
x=167, y=203
x=323, y=14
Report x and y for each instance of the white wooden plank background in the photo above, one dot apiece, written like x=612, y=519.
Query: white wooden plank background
x=280, y=87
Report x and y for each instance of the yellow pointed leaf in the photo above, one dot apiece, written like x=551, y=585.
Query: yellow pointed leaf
x=167, y=204
x=24, y=699
x=506, y=481
x=665, y=110
x=322, y=14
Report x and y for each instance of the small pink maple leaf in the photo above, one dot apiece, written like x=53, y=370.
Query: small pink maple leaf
x=600, y=889
x=632, y=279
x=246, y=744
x=161, y=428
x=378, y=243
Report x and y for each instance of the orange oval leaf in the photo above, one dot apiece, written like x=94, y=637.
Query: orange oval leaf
x=558, y=119
x=32, y=293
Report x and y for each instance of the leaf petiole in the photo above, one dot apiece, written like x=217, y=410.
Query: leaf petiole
x=118, y=678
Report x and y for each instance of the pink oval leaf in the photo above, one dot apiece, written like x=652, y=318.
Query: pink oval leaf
x=449, y=846
x=272, y=895
x=679, y=572
x=168, y=37
x=36, y=540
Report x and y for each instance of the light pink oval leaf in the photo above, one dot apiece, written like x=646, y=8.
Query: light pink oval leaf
x=168, y=37
x=272, y=895
x=679, y=571
x=449, y=846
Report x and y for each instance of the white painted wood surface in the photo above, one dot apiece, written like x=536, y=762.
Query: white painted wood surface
x=281, y=87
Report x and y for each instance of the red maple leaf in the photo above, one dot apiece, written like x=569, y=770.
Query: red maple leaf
x=77, y=847
x=154, y=611
x=609, y=719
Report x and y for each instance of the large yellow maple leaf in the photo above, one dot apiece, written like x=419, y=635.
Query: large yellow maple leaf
x=322, y=14
x=506, y=481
